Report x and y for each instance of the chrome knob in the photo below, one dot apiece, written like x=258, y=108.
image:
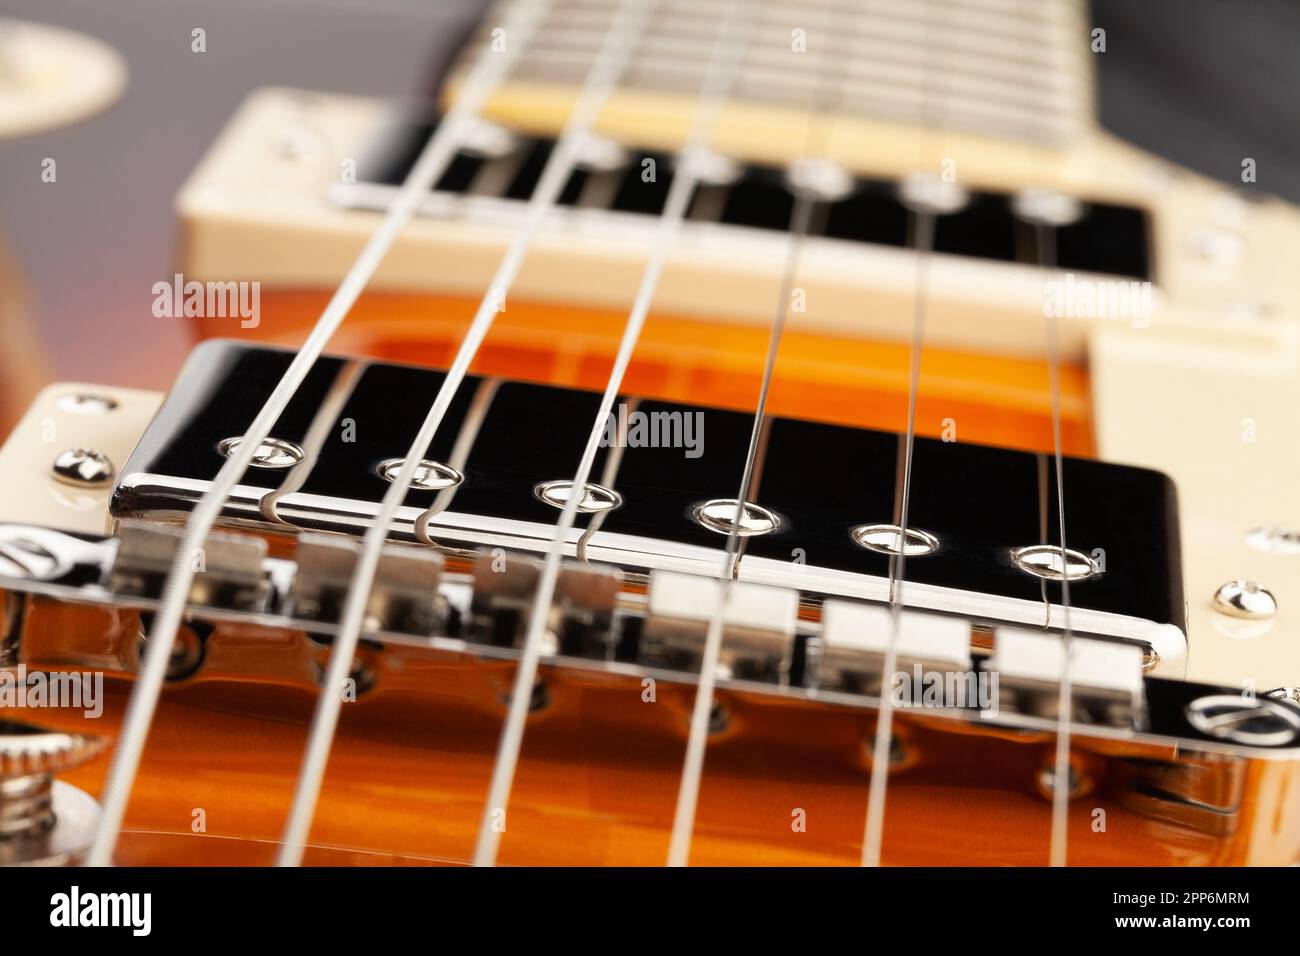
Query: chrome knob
x=43, y=820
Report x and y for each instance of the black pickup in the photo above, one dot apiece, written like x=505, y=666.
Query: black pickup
x=980, y=504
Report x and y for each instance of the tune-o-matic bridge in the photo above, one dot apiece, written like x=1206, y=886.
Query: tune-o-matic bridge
x=595, y=625
x=980, y=544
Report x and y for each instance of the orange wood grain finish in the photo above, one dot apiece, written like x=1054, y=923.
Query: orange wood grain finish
x=599, y=771
x=988, y=399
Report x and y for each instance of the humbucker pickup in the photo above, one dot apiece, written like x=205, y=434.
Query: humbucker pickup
x=500, y=166
x=981, y=544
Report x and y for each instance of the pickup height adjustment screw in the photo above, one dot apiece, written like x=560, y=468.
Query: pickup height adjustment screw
x=1245, y=599
x=84, y=467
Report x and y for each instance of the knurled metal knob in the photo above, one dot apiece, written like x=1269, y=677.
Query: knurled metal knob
x=26, y=749
x=43, y=820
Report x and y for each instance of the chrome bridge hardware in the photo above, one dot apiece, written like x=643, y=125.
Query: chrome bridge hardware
x=850, y=653
x=404, y=596
x=582, y=614
x=978, y=505
x=607, y=626
x=758, y=626
x=1105, y=677
x=229, y=567
x=1197, y=790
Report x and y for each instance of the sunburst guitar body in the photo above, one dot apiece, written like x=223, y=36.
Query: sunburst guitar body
x=1077, y=295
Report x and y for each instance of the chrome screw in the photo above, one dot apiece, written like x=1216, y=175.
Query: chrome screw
x=83, y=467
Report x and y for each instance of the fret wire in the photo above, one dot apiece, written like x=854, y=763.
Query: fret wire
x=713, y=97
x=484, y=77
x=923, y=244
x=1061, y=773
x=601, y=81
x=801, y=217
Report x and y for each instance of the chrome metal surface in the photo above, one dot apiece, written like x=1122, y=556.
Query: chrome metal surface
x=981, y=504
x=1049, y=562
x=43, y=821
x=272, y=453
x=1255, y=721
x=84, y=467
x=720, y=515
x=820, y=180
x=928, y=193
x=1246, y=600
x=1105, y=678
x=890, y=538
x=404, y=596
x=613, y=648
x=582, y=615
x=758, y=625
x=595, y=498
x=429, y=475
x=1047, y=207
x=87, y=403
x=229, y=570
x=1275, y=540
x=850, y=652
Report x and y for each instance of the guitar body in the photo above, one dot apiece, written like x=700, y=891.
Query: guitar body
x=1190, y=373
x=786, y=784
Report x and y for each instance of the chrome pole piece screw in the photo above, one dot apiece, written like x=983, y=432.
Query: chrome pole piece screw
x=1050, y=562
x=595, y=498
x=272, y=453
x=84, y=467
x=428, y=476
x=1047, y=207
x=927, y=193
x=719, y=515
x=1246, y=600
x=891, y=539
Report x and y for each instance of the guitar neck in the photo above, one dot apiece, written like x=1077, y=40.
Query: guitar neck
x=926, y=79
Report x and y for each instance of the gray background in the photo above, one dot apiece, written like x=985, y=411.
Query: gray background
x=1203, y=82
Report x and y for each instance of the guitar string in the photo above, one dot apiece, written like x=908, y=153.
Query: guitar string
x=921, y=221
x=433, y=160
x=882, y=745
x=688, y=791
x=801, y=216
x=691, y=162
x=1046, y=241
x=601, y=81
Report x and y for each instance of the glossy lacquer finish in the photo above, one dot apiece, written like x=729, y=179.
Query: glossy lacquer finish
x=785, y=781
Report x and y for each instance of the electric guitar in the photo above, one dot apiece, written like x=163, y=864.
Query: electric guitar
x=754, y=434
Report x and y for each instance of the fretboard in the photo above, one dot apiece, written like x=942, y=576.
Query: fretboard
x=1009, y=69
